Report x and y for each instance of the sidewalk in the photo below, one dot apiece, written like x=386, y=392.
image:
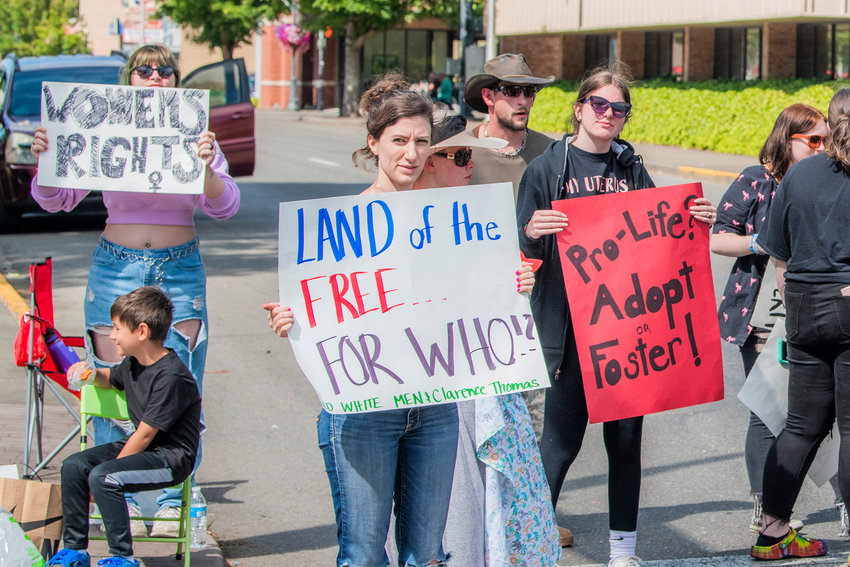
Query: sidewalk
x=58, y=423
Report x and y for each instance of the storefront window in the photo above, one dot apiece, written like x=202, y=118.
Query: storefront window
x=414, y=52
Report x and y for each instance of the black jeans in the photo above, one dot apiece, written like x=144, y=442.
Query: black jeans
x=564, y=424
x=97, y=470
x=818, y=324
x=759, y=439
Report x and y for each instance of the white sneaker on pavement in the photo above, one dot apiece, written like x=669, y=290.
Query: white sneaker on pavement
x=845, y=521
x=137, y=527
x=165, y=528
x=626, y=561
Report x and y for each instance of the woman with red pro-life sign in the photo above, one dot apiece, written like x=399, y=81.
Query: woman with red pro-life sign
x=149, y=239
x=590, y=161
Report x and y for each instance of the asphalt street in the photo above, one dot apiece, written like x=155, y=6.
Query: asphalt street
x=262, y=473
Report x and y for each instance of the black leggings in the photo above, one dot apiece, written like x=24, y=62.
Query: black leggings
x=564, y=424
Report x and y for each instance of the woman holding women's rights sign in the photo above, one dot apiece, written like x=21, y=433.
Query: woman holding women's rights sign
x=591, y=161
x=807, y=233
x=799, y=132
x=396, y=459
x=149, y=239
x=500, y=511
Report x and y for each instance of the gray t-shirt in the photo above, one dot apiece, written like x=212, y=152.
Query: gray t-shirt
x=491, y=166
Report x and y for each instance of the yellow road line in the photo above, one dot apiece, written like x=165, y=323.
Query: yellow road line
x=703, y=171
x=14, y=302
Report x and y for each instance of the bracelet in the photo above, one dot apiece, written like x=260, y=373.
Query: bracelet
x=753, y=247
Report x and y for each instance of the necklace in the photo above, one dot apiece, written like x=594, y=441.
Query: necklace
x=514, y=154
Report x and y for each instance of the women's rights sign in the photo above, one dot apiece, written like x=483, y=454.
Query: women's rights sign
x=638, y=277
x=144, y=137
x=408, y=299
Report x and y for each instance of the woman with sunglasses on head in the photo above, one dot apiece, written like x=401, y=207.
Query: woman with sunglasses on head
x=150, y=239
x=807, y=233
x=500, y=512
x=799, y=132
x=405, y=456
x=590, y=161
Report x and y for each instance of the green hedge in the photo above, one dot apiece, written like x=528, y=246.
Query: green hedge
x=724, y=116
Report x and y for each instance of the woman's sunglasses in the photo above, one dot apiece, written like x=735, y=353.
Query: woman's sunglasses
x=601, y=105
x=813, y=140
x=461, y=157
x=513, y=91
x=145, y=71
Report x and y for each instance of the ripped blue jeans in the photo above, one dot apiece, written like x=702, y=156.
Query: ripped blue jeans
x=179, y=272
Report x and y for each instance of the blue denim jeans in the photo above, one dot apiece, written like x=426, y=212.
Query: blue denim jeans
x=818, y=324
x=402, y=458
x=179, y=272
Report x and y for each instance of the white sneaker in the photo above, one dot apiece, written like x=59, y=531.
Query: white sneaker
x=626, y=561
x=845, y=521
x=165, y=528
x=137, y=527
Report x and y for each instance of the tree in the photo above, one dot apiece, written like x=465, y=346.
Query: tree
x=222, y=23
x=359, y=19
x=39, y=27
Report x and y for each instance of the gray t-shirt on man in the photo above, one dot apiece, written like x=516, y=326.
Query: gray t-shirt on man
x=491, y=166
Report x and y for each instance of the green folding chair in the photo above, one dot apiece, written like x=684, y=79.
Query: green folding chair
x=109, y=402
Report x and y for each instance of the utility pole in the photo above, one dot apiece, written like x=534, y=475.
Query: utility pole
x=320, y=83
x=293, y=79
x=464, y=41
x=143, y=19
x=491, y=47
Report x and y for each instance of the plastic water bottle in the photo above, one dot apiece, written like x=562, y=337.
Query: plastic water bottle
x=197, y=520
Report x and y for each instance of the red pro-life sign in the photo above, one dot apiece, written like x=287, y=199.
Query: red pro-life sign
x=638, y=278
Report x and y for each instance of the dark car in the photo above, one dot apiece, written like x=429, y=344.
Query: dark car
x=231, y=117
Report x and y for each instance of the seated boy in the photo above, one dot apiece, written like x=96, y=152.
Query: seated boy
x=164, y=405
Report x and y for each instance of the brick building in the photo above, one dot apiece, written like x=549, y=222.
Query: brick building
x=417, y=48
x=696, y=40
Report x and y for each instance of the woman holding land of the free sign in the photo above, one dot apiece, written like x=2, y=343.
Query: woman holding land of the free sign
x=399, y=459
x=149, y=239
x=565, y=171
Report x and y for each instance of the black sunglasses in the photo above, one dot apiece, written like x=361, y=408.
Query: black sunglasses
x=601, y=105
x=513, y=91
x=145, y=71
x=461, y=157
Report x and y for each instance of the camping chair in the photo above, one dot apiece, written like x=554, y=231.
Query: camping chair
x=43, y=372
x=109, y=402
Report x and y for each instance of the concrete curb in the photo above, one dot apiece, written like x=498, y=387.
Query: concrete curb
x=701, y=172
x=16, y=304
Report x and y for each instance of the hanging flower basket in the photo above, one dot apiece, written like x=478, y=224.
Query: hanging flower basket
x=293, y=36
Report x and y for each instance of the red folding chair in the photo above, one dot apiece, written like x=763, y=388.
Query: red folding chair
x=43, y=371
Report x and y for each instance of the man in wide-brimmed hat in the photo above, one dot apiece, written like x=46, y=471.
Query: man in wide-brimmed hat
x=506, y=92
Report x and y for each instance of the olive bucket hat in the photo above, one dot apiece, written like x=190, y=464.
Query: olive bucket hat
x=505, y=68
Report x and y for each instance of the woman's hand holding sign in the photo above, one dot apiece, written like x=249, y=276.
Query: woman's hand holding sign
x=545, y=221
x=703, y=211
x=39, y=141
x=281, y=319
x=206, y=147
x=525, y=278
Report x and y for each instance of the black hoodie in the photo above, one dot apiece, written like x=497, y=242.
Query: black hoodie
x=544, y=181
